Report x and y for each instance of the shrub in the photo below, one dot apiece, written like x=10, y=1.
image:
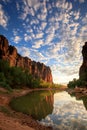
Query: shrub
x=16, y=77
x=78, y=83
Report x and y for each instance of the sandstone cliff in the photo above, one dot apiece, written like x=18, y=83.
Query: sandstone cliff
x=83, y=68
x=37, y=69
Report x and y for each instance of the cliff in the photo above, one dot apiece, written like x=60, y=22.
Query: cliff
x=37, y=69
x=83, y=68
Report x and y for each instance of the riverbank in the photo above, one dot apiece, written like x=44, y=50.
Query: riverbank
x=11, y=120
x=79, y=92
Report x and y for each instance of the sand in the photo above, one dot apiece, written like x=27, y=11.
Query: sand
x=12, y=120
x=9, y=123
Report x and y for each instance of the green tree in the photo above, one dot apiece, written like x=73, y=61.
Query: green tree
x=4, y=66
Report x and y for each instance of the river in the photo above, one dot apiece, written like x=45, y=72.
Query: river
x=59, y=110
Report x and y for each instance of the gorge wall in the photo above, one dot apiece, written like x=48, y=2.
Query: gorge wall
x=83, y=68
x=37, y=69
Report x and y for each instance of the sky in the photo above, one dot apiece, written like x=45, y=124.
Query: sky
x=68, y=113
x=49, y=31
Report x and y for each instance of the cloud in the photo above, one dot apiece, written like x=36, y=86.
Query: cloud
x=64, y=72
x=56, y=32
x=5, y=1
x=39, y=35
x=31, y=7
x=64, y=115
x=84, y=20
x=38, y=43
x=27, y=37
x=28, y=52
x=17, y=6
x=26, y=9
x=43, y=25
x=32, y=2
x=81, y=1
x=24, y=51
x=3, y=17
x=77, y=15
x=63, y=5
x=49, y=38
x=26, y=12
x=16, y=39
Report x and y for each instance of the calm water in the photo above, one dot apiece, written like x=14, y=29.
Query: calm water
x=59, y=110
x=68, y=113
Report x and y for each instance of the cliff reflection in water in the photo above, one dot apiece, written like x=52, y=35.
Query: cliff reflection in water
x=68, y=113
x=85, y=101
x=79, y=96
x=37, y=104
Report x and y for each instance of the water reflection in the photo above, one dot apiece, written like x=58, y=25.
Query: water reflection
x=68, y=113
x=80, y=96
x=85, y=101
x=83, y=98
x=38, y=104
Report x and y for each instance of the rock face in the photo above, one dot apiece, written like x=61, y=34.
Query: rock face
x=83, y=68
x=37, y=69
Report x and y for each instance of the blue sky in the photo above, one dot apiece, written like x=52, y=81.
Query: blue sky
x=49, y=31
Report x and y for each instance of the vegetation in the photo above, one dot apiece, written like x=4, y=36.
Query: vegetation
x=16, y=77
x=44, y=84
x=77, y=82
x=5, y=110
x=33, y=104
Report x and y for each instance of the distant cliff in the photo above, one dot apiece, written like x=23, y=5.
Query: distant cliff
x=83, y=68
x=37, y=69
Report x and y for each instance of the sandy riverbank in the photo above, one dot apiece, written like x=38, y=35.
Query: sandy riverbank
x=9, y=123
x=11, y=120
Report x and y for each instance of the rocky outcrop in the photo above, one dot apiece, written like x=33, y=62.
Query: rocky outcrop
x=83, y=68
x=37, y=69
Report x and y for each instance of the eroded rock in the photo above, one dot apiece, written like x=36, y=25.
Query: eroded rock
x=37, y=69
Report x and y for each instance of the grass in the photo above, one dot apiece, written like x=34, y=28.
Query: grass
x=5, y=110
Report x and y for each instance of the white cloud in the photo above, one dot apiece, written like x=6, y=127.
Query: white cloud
x=27, y=37
x=49, y=38
x=27, y=9
x=81, y=1
x=24, y=51
x=17, y=6
x=84, y=20
x=43, y=25
x=39, y=35
x=3, y=17
x=56, y=35
x=17, y=39
x=34, y=21
x=31, y=2
x=64, y=5
x=38, y=44
x=77, y=15
x=65, y=105
x=16, y=31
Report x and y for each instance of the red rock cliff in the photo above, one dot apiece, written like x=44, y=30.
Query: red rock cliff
x=83, y=68
x=37, y=69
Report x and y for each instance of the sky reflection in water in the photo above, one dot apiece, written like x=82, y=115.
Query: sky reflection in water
x=68, y=113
